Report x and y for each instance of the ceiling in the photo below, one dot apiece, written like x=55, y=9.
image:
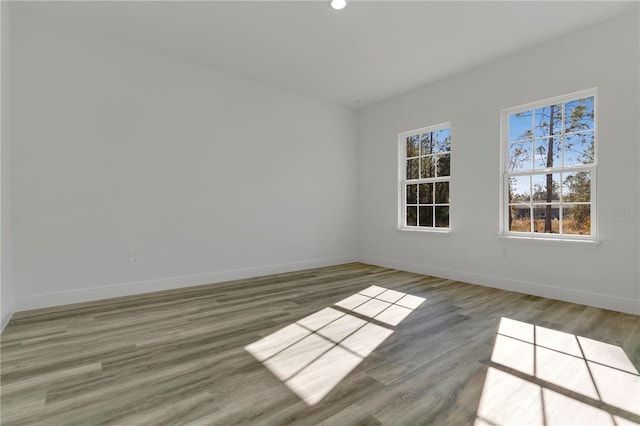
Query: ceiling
x=366, y=52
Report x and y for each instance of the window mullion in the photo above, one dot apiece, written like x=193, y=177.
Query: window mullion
x=433, y=144
x=579, y=110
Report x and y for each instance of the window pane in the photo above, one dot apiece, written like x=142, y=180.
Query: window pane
x=520, y=218
x=442, y=193
x=519, y=189
x=412, y=197
x=546, y=188
x=578, y=149
x=520, y=125
x=548, y=120
x=426, y=216
x=412, y=219
x=412, y=146
x=442, y=217
x=576, y=187
x=425, y=144
x=548, y=152
x=559, y=137
x=578, y=115
x=428, y=165
x=576, y=219
x=426, y=193
x=546, y=219
x=520, y=156
x=442, y=140
x=444, y=165
x=412, y=168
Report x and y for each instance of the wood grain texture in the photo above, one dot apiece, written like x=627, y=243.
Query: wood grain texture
x=178, y=357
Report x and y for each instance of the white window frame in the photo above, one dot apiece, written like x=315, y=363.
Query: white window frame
x=402, y=179
x=505, y=173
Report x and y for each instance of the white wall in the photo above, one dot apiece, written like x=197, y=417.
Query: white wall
x=211, y=177
x=6, y=285
x=604, y=56
x=205, y=175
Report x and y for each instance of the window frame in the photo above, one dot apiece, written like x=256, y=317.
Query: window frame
x=505, y=173
x=403, y=181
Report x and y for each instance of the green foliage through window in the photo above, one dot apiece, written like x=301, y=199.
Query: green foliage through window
x=427, y=169
x=550, y=161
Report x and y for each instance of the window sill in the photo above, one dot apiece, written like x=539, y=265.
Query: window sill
x=434, y=231
x=558, y=242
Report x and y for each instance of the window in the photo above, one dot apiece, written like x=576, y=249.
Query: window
x=549, y=168
x=425, y=160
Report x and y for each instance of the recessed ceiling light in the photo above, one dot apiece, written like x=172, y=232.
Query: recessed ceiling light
x=338, y=4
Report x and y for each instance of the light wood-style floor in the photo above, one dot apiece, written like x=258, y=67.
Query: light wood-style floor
x=466, y=355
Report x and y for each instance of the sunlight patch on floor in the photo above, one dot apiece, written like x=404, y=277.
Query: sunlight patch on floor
x=542, y=376
x=315, y=353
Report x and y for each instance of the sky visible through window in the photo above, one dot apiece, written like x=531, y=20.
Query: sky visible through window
x=534, y=127
x=550, y=166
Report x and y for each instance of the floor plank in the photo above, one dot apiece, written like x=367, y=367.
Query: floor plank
x=178, y=357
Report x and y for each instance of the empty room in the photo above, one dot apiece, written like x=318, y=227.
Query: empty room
x=320, y=212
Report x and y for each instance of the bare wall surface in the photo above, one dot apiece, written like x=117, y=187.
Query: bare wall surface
x=6, y=283
x=206, y=176
x=203, y=175
x=604, y=56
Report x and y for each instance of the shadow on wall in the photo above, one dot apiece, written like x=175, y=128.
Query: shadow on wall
x=313, y=355
x=540, y=376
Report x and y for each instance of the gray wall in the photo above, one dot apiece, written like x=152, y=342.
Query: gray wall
x=211, y=177
x=205, y=175
x=604, y=56
x=6, y=284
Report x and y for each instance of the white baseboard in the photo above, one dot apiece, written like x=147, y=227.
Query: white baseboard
x=139, y=287
x=6, y=317
x=127, y=289
x=620, y=304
